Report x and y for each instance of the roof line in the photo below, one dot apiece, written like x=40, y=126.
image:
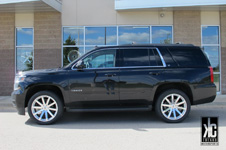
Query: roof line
x=54, y=4
x=15, y=1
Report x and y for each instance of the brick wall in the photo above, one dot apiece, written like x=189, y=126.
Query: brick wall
x=187, y=27
x=7, y=53
x=223, y=50
x=47, y=40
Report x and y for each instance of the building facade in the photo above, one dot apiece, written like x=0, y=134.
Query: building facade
x=41, y=34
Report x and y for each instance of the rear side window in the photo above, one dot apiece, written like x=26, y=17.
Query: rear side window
x=141, y=57
x=157, y=58
x=135, y=57
x=188, y=56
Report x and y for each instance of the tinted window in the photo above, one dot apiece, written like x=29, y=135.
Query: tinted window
x=135, y=57
x=158, y=61
x=101, y=59
x=188, y=56
x=152, y=58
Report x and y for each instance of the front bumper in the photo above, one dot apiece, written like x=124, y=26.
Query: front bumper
x=18, y=100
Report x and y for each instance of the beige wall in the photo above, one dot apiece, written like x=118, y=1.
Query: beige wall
x=210, y=17
x=102, y=12
x=24, y=19
x=144, y=18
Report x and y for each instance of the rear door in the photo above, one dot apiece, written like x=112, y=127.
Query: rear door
x=141, y=70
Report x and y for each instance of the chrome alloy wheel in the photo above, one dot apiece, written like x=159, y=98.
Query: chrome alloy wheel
x=44, y=108
x=173, y=106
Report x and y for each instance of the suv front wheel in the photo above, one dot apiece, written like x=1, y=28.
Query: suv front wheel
x=45, y=107
x=173, y=106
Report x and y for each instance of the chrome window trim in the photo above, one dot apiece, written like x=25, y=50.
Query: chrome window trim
x=135, y=67
x=163, y=61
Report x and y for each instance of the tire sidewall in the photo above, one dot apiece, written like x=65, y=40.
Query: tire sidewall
x=160, y=99
x=55, y=97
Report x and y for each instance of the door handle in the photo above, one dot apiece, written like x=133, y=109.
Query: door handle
x=110, y=75
x=154, y=73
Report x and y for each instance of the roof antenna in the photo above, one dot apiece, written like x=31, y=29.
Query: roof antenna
x=133, y=43
x=179, y=43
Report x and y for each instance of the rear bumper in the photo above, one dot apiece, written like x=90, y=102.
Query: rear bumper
x=204, y=94
x=18, y=100
x=204, y=100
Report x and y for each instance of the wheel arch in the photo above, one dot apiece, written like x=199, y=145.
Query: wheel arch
x=184, y=87
x=47, y=87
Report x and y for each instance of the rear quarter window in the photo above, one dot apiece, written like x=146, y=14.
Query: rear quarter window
x=188, y=56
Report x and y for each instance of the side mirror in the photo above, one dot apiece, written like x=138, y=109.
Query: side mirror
x=80, y=65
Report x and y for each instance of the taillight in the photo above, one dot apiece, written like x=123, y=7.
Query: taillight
x=211, y=74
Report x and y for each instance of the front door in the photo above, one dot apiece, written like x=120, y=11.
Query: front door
x=96, y=85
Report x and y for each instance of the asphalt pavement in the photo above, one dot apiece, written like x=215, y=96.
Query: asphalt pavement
x=109, y=130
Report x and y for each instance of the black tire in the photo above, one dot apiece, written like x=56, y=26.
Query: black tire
x=167, y=113
x=44, y=111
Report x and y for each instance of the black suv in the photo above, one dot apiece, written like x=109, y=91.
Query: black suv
x=165, y=78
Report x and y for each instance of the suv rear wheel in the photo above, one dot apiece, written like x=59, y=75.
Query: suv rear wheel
x=173, y=106
x=45, y=107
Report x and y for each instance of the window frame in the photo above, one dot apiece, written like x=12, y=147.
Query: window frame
x=23, y=46
x=219, y=53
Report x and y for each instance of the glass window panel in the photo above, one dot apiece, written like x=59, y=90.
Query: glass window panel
x=89, y=48
x=24, y=61
x=162, y=34
x=101, y=59
x=24, y=37
x=212, y=52
x=217, y=81
x=101, y=36
x=71, y=53
x=210, y=35
x=135, y=57
x=73, y=36
x=157, y=58
x=135, y=34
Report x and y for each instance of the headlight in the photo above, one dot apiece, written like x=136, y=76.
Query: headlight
x=18, y=78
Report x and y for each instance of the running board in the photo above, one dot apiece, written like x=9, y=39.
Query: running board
x=107, y=109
